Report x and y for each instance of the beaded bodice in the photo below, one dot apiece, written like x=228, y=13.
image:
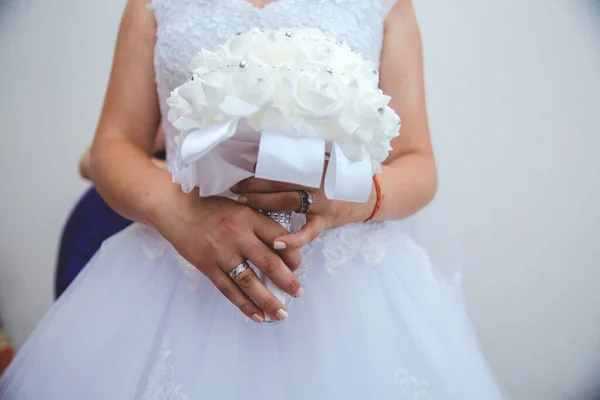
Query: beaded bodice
x=186, y=26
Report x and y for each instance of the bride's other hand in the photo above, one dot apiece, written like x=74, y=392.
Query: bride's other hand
x=324, y=214
x=216, y=235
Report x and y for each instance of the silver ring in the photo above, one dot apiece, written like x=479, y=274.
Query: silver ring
x=306, y=200
x=238, y=270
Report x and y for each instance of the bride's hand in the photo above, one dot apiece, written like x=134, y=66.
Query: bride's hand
x=216, y=235
x=324, y=214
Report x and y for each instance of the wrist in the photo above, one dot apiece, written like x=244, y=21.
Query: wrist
x=162, y=201
x=359, y=212
x=369, y=206
x=378, y=194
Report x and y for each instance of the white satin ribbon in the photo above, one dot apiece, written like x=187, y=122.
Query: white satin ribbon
x=293, y=160
x=198, y=143
x=216, y=158
x=346, y=180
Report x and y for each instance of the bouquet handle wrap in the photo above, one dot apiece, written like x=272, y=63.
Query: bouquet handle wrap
x=285, y=219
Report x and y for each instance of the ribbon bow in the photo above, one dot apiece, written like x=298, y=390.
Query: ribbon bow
x=219, y=156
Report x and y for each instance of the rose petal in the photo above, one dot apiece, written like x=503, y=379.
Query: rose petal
x=351, y=149
x=272, y=118
x=349, y=124
x=184, y=124
x=365, y=134
x=235, y=107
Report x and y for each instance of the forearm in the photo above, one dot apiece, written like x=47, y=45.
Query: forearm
x=409, y=177
x=408, y=184
x=127, y=179
x=85, y=163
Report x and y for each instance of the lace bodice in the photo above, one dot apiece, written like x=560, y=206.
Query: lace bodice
x=186, y=26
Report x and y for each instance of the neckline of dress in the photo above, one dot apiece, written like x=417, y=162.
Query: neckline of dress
x=262, y=8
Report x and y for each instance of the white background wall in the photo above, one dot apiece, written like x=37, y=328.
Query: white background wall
x=514, y=99
x=55, y=58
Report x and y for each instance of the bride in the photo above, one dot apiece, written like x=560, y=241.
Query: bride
x=156, y=312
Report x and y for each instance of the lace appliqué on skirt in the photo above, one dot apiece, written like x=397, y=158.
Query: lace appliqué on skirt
x=154, y=246
x=411, y=388
x=338, y=247
x=342, y=245
x=160, y=381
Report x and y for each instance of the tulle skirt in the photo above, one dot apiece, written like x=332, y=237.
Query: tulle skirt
x=377, y=321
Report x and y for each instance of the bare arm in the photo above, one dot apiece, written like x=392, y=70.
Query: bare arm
x=409, y=176
x=214, y=234
x=85, y=162
x=129, y=121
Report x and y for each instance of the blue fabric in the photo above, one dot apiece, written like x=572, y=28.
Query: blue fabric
x=91, y=222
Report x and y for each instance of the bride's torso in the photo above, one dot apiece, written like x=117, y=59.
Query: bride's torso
x=186, y=26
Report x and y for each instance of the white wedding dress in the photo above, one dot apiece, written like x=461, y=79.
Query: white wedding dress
x=377, y=320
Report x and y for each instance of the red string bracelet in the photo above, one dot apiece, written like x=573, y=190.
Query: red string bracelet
x=378, y=201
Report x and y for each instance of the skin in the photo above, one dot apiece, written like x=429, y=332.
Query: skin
x=217, y=234
x=85, y=162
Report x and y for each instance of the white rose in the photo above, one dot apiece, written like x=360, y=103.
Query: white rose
x=252, y=90
x=215, y=86
x=366, y=75
x=255, y=85
x=207, y=61
x=343, y=58
x=187, y=106
x=272, y=48
x=206, y=95
x=178, y=106
x=236, y=48
x=315, y=55
x=392, y=125
x=371, y=111
x=313, y=96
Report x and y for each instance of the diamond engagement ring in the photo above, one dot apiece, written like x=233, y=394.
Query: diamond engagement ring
x=306, y=200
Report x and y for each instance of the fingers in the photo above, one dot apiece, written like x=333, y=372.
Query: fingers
x=236, y=296
x=304, y=236
x=255, y=185
x=292, y=258
x=284, y=201
x=251, y=285
x=272, y=266
x=268, y=231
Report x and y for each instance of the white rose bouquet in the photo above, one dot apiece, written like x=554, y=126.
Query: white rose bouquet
x=283, y=100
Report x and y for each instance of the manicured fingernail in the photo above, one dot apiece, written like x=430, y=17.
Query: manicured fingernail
x=242, y=199
x=281, y=314
x=257, y=318
x=299, y=293
x=279, y=245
